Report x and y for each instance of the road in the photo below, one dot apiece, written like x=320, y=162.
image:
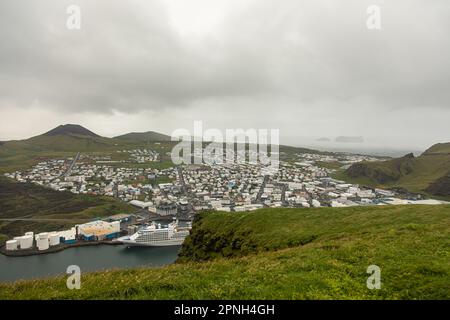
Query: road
x=261, y=190
x=183, y=184
x=284, y=188
x=74, y=161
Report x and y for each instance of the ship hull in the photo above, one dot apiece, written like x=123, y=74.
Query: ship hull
x=165, y=243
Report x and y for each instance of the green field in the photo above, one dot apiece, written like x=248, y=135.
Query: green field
x=335, y=165
x=318, y=253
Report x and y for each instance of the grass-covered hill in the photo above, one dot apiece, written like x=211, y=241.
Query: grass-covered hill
x=318, y=253
x=438, y=148
x=75, y=138
x=68, y=129
x=428, y=173
x=144, y=137
x=69, y=137
x=30, y=207
x=62, y=142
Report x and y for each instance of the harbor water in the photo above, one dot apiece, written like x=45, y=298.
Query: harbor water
x=89, y=258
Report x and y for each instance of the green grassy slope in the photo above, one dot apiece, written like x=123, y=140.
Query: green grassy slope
x=438, y=148
x=285, y=254
x=17, y=155
x=149, y=136
x=70, y=129
x=71, y=142
x=43, y=209
x=413, y=174
x=62, y=141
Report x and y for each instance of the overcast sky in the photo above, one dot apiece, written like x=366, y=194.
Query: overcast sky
x=309, y=68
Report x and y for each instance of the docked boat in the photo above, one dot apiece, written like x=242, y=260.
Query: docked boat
x=155, y=235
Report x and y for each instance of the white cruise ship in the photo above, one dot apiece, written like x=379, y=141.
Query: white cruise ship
x=156, y=236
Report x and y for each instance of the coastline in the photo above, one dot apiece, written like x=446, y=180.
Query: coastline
x=58, y=248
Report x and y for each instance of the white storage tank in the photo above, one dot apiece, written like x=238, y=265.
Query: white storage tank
x=12, y=245
x=54, y=239
x=42, y=244
x=42, y=241
x=43, y=235
x=26, y=242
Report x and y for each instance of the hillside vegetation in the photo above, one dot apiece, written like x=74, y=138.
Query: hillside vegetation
x=65, y=141
x=318, y=253
x=70, y=129
x=426, y=174
x=144, y=137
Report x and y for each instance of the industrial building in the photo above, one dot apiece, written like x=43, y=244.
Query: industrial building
x=92, y=231
x=141, y=204
x=68, y=236
x=99, y=230
x=166, y=209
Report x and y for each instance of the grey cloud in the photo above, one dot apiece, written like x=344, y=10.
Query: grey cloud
x=314, y=55
x=122, y=59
